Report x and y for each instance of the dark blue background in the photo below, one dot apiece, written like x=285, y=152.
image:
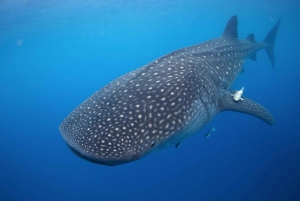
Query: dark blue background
x=55, y=54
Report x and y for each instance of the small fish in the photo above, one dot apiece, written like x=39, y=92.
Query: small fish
x=238, y=95
x=209, y=132
x=178, y=145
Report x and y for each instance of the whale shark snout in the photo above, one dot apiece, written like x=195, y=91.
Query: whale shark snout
x=110, y=152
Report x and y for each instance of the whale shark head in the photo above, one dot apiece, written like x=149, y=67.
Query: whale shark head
x=134, y=115
x=97, y=147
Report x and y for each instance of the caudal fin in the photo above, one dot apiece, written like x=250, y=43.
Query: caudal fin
x=270, y=40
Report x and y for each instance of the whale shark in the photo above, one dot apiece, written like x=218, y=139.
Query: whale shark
x=165, y=101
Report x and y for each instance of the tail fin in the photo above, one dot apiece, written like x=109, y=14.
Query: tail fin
x=269, y=40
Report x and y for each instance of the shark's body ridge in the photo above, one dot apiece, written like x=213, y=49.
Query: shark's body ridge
x=165, y=101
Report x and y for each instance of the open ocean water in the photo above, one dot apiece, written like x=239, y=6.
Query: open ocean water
x=55, y=54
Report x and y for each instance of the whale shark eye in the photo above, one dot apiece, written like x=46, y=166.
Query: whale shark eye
x=153, y=144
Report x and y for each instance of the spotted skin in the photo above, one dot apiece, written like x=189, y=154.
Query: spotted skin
x=161, y=103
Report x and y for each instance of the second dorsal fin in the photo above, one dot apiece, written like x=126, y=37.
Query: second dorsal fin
x=251, y=38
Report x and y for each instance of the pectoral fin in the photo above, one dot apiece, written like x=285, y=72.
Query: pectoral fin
x=247, y=106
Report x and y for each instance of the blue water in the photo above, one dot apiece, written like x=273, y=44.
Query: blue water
x=55, y=54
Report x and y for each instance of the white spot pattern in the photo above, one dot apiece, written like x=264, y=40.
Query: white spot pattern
x=156, y=105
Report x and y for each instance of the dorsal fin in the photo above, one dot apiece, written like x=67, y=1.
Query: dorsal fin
x=231, y=28
x=251, y=38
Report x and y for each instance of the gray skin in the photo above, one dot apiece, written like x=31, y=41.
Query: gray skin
x=165, y=101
